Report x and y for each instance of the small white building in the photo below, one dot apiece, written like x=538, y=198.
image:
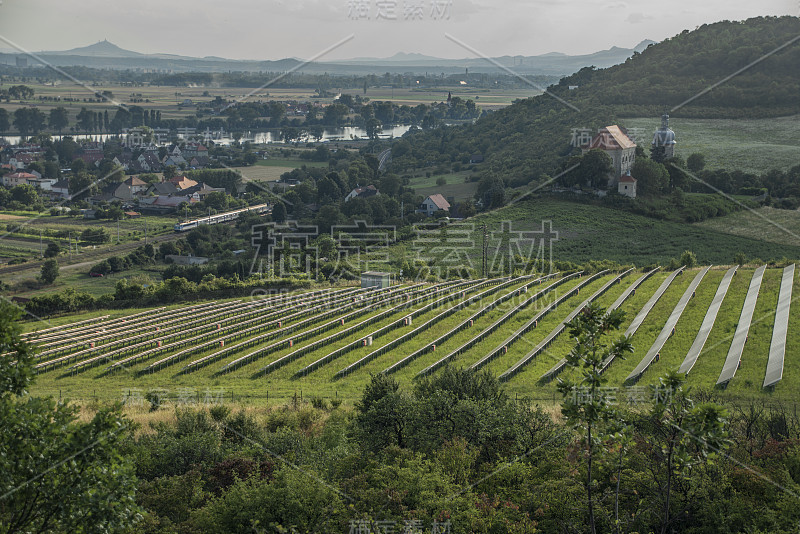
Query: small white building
x=375, y=279
x=434, y=203
x=627, y=186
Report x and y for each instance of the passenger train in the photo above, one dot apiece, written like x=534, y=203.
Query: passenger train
x=221, y=217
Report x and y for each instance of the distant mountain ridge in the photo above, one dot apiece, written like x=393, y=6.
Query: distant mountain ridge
x=102, y=48
x=105, y=54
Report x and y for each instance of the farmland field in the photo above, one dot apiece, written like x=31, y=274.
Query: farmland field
x=589, y=232
x=770, y=224
x=328, y=343
x=749, y=145
x=22, y=234
x=457, y=185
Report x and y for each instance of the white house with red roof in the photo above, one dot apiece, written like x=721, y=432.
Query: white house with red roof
x=19, y=178
x=627, y=185
x=432, y=204
x=362, y=192
x=621, y=148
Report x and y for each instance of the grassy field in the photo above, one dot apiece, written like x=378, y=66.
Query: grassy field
x=770, y=224
x=245, y=384
x=750, y=145
x=456, y=186
x=587, y=232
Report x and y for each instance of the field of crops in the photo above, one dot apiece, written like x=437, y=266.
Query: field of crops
x=28, y=233
x=327, y=343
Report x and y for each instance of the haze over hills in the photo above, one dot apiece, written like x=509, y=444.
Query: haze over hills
x=106, y=54
x=102, y=48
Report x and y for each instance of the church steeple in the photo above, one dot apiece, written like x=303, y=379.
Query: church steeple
x=663, y=140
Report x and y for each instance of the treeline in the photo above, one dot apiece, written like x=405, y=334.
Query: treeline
x=133, y=293
x=671, y=72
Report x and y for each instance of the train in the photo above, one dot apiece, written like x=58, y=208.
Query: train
x=220, y=217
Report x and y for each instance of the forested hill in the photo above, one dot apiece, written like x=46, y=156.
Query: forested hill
x=667, y=74
x=528, y=141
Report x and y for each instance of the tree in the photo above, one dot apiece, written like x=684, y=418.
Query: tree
x=170, y=172
x=217, y=200
x=59, y=119
x=21, y=92
x=696, y=162
x=28, y=120
x=4, y=122
x=595, y=167
x=334, y=114
x=678, y=435
x=279, y=212
x=373, y=128
x=382, y=414
x=652, y=177
x=85, y=120
x=584, y=405
x=390, y=185
x=52, y=250
x=25, y=194
x=688, y=259
x=491, y=191
x=81, y=184
x=49, y=271
x=53, y=467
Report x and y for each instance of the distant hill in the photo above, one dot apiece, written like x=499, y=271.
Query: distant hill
x=529, y=140
x=100, y=49
x=107, y=55
x=552, y=63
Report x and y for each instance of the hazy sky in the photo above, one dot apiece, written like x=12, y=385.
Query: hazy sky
x=247, y=29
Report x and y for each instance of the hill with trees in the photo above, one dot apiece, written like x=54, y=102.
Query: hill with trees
x=527, y=141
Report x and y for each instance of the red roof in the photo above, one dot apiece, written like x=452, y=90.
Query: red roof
x=627, y=179
x=440, y=201
x=611, y=138
x=18, y=175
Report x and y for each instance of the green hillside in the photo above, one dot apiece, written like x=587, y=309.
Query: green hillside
x=529, y=140
x=766, y=224
x=589, y=232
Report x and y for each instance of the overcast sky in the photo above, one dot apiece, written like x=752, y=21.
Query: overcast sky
x=248, y=29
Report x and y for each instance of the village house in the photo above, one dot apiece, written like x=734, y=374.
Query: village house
x=61, y=189
x=137, y=186
x=433, y=204
x=620, y=148
x=201, y=191
x=18, y=178
x=148, y=162
x=174, y=161
x=362, y=192
x=162, y=189
x=194, y=150
x=182, y=182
